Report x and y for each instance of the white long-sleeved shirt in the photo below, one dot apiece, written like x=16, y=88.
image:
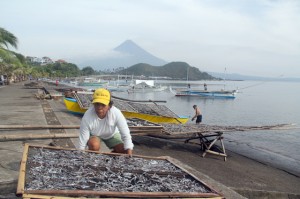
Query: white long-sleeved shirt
x=114, y=121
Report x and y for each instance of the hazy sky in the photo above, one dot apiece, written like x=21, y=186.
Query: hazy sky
x=250, y=37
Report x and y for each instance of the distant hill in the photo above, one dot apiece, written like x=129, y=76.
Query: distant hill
x=174, y=70
x=126, y=54
x=235, y=76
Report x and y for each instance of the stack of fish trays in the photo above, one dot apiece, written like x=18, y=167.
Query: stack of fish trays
x=59, y=173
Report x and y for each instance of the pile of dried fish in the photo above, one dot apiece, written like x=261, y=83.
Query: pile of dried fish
x=123, y=105
x=49, y=169
x=142, y=108
x=203, y=128
x=138, y=122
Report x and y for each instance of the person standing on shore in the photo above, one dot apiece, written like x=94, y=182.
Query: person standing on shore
x=105, y=122
x=197, y=115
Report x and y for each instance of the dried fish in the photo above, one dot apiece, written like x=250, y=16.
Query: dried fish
x=85, y=100
x=78, y=170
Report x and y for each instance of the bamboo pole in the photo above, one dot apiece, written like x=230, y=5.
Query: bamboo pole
x=145, y=131
x=146, y=127
x=31, y=136
x=30, y=126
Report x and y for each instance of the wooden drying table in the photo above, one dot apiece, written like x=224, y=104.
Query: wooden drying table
x=207, y=140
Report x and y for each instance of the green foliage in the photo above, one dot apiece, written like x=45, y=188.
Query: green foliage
x=86, y=71
x=7, y=38
x=56, y=70
x=11, y=63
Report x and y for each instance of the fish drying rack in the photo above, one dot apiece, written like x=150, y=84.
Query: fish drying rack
x=60, y=173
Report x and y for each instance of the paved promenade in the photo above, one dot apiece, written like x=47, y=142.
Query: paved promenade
x=18, y=105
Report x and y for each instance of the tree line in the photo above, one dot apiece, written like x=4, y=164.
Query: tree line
x=15, y=66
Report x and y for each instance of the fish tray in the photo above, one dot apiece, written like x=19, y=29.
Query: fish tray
x=84, y=100
x=59, y=172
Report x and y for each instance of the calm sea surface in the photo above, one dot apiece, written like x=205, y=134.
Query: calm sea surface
x=256, y=104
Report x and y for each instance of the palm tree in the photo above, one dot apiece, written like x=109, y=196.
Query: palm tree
x=7, y=38
x=10, y=61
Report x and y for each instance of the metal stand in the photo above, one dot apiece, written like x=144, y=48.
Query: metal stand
x=206, y=143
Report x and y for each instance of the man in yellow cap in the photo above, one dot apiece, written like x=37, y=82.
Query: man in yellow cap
x=106, y=122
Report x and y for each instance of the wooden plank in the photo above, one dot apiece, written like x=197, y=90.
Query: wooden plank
x=34, y=196
x=22, y=173
x=122, y=193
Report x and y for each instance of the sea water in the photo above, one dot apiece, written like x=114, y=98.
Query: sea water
x=256, y=104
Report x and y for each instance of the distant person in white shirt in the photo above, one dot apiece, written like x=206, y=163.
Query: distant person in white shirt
x=106, y=122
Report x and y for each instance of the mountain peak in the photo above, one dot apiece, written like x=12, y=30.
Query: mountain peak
x=128, y=54
x=129, y=47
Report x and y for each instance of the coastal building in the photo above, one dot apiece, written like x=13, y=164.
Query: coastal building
x=39, y=61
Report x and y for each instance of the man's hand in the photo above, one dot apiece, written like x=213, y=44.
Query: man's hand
x=129, y=152
x=192, y=119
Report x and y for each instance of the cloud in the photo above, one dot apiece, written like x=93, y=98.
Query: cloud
x=209, y=34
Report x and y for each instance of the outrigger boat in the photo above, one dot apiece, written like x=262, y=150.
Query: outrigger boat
x=92, y=82
x=151, y=111
x=143, y=86
x=231, y=94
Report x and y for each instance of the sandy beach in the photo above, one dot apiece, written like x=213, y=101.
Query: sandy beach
x=237, y=177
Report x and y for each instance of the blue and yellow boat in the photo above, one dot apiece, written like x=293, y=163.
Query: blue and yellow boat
x=73, y=106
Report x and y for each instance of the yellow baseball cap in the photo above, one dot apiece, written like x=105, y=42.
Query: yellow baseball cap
x=102, y=96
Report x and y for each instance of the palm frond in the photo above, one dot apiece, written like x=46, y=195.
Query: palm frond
x=8, y=38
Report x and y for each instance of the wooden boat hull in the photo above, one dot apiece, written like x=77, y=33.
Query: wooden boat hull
x=154, y=118
x=145, y=90
x=92, y=84
x=74, y=107
x=207, y=94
